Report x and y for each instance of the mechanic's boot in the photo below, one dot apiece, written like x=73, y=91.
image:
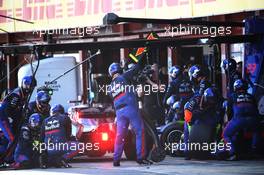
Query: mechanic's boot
x=187, y=155
x=4, y=165
x=232, y=158
x=116, y=163
x=187, y=158
x=150, y=162
x=65, y=164
x=19, y=166
x=143, y=162
x=254, y=154
x=43, y=162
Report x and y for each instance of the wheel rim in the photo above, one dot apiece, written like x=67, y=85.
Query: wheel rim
x=174, y=136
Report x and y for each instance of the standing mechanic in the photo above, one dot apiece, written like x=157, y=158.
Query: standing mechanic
x=11, y=108
x=180, y=87
x=245, y=116
x=127, y=110
x=152, y=105
x=230, y=67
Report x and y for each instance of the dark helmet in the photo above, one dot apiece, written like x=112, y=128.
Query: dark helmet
x=239, y=85
x=114, y=68
x=194, y=72
x=229, y=65
x=57, y=109
x=43, y=99
x=175, y=71
x=34, y=121
x=28, y=83
x=209, y=97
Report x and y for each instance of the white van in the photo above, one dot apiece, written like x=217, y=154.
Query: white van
x=65, y=88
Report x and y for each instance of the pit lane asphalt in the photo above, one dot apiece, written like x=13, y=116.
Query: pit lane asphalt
x=175, y=166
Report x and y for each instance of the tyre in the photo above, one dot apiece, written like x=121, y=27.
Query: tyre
x=171, y=134
x=96, y=153
x=130, y=146
x=200, y=138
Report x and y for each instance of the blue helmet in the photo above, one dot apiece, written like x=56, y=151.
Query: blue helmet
x=57, y=109
x=239, y=85
x=174, y=71
x=34, y=121
x=177, y=106
x=194, y=72
x=43, y=99
x=209, y=96
x=171, y=100
x=27, y=83
x=114, y=68
x=229, y=65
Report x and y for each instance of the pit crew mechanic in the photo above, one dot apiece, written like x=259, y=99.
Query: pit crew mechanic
x=179, y=86
x=127, y=110
x=245, y=116
x=200, y=83
x=152, y=101
x=230, y=67
x=11, y=109
x=40, y=105
x=25, y=155
x=56, y=130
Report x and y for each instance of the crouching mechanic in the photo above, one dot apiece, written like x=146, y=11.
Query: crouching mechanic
x=210, y=111
x=200, y=83
x=127, y=111
x=40, y=105
x=56, y=134
x=11, y=109
x=245, y=116
x=26, y=155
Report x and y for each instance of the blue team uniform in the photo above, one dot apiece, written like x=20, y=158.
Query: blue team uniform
x=245, y=116
x=127, y=112
x=24, y=151
x=56, y=130
x=11, y=110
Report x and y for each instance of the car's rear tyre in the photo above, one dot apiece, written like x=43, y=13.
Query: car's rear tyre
x=171, y=135
x=130, y=146
x=201, y=134
x=96, y=153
